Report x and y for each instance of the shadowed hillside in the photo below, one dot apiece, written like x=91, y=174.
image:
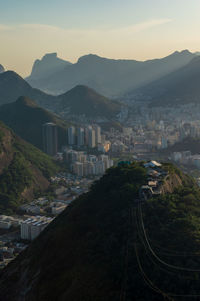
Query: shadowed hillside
x=83, y=100
x=26, y=118
x=180, y=87
x=97, y=250
x=79, y=100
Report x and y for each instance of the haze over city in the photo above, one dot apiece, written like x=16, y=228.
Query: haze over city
x=127, y=30
x=99, y=150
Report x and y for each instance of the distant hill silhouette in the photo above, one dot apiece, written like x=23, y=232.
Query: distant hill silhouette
x=48, y=65
x=107, y=76
x=83, y=100
x=26, y=118
x=80, y=100
x=179, y=87
x=13, y=86
x=1, y=68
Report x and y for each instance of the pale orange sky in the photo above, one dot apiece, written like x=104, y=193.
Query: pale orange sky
x=130, y=30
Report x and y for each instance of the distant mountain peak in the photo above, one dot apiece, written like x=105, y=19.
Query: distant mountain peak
x=48, y=64
x=82, y=88
x=186, y=51
x=83, y=100
x=90, y=58
x=9, y=78
x=11, y=73
x=182, y=52
x=83, y=91
x=1, y=68
x=50, y=55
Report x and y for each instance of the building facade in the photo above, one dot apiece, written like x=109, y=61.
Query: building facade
x=50, y=139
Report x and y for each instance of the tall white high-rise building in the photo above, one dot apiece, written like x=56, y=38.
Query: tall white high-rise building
x=71, y=135
x=81, y=137
x=91, y=136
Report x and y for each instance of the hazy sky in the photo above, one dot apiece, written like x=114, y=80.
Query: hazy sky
x=134, y=29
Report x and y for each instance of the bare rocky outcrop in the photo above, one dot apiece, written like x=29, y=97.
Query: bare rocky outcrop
x=171, y=182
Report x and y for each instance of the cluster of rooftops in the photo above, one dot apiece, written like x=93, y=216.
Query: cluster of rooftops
x=155, y=176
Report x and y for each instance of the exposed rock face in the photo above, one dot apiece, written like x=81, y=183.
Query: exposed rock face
x=171, y=182
x=49, y=64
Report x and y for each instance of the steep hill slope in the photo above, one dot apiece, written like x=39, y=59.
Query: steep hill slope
x=94, y=250
x=26, y=118
x=177, y=88
x=110, y=77
x=23, y=170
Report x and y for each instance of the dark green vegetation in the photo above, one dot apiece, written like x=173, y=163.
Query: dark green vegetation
x=82, y=100
x=26, y=118
x=96, y=249
x=107, y=76
x=24, y=170
x=172, y=225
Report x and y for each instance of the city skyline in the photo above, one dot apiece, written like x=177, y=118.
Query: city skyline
x=138, y=30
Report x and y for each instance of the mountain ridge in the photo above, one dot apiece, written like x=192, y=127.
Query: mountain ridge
x=12, y=86
x=110, y=77
x=176, y=88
